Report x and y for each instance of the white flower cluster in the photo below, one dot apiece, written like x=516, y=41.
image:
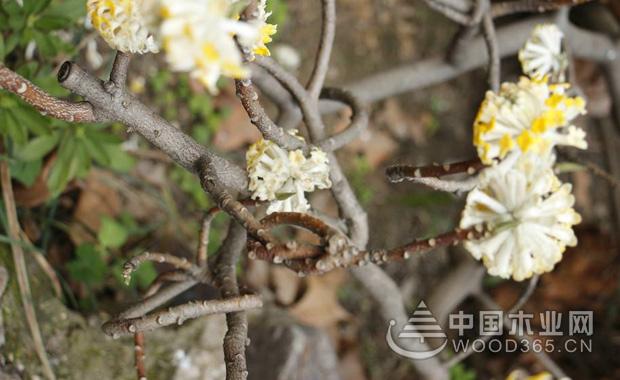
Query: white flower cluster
x=126, y=25
x=283, y=177
x=197, y=36
x=542, y=54
x=526, y=212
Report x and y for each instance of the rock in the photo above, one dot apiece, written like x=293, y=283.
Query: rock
x=283, y=349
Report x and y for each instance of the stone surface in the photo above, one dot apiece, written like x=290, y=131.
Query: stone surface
x=282, y=349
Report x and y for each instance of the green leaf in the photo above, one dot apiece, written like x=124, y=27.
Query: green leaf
x=61, y=171
x=38, y=147
x=48, y=23
x=11, y=43
x=111, y=234
x=25, y=172
x=45, y=44
x=88, y=266
x=144, y=275
x=97, y=152
x=31, y=119
x=14, y=129
x=120, y=160
x=72, y=9
x=2, y=49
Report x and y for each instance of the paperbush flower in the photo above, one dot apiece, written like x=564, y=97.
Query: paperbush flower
x=126, y=25
x=527, y=116
x=284, y=177
x=527, y=214
x=542, y=54
x=258, y=44
x=198, y=37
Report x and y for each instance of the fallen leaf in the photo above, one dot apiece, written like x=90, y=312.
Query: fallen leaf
x=96, y=200
x=285, y=283
x=319, y=306
x=235, y=131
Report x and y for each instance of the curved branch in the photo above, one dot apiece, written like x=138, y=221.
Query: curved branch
x=308, y=105
x=359, y=119
x=328, y=32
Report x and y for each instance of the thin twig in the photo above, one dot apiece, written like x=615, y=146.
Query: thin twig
x=531, y=286
x=505, y=8
x=45, y=266
x=270, y=131
x=203, y=239
x=138, y=340
x=542, y=356
x=399, y=173
x=458, y=187
x=21, y=273
x=359, y=119
x=449, y=12
x=307, y=104
x=161, y=279
x=488, y=31
x=134, y=263
x=157, y=299
x=234, y=208
x=179, y=314
x=593, y=167
x=328, y=32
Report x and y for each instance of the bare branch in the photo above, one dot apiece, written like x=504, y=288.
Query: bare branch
x=593, y=167
x=399, y=173
x=359, y=119
x=308, y=105
x=150, y=303
x=236, y=209
x=328, y=32
x=504, y=8
x=447, y=186
x=46, y=104
x=179, y=314
x=270, y=131
x=138, y=340
x=203, y=239
x=488, y=30
x=235, y=339
x=112, y=103
x=432, y=71
x=272, y=89
x=160, y=280
x=118, y=75
x=134, y=263
x=542, y=356
x=531, y=286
